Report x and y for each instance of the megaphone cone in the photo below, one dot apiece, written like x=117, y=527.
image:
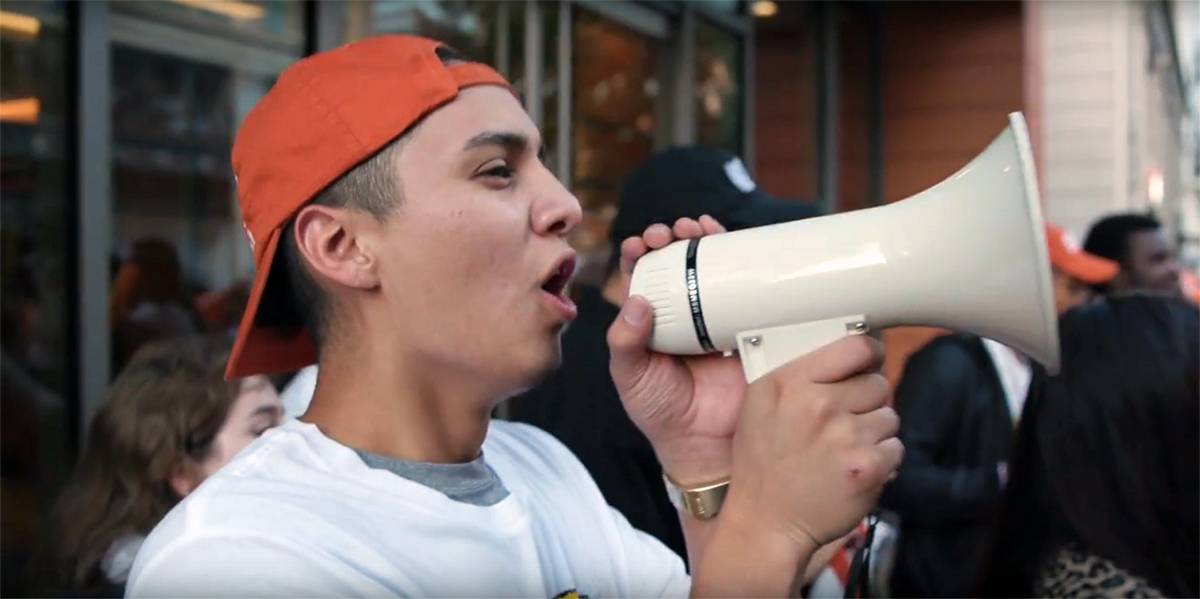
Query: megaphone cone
x=968, y=254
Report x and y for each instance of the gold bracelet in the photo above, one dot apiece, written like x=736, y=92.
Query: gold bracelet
x=704, y=501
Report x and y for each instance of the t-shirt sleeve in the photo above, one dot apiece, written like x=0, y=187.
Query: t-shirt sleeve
x=654, y=569
x=245, y=566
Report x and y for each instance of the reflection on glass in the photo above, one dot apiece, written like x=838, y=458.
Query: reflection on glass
x=467, y=25
x=34, y=305
x=718, y=97
x=271, y=22
x=733, y=7
x=179, y=246
x=550, y=97
x=615, y=86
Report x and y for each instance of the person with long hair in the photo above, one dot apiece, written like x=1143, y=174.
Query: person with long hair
x=1103, y=492
x=169, y=422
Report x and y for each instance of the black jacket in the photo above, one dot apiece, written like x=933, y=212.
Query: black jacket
x=579, y=405
x=956, y=428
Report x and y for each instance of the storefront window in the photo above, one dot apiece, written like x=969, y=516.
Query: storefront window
x=467, y=25
x=733, y=7
x=272, y=22
x=35, y=224
x=183, y=261
x=615, y=89
x=718, y=88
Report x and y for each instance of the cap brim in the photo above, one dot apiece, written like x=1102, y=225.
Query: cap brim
x=1092, y=270
x=260, y=350
x=761, y=209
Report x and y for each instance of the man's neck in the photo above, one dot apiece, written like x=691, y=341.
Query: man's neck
x=378, y=400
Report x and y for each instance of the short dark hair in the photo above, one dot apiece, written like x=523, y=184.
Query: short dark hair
x=1109, y=236
x=372, y=187
x=293, y=299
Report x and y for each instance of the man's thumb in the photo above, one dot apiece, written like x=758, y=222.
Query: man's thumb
x=628, y=338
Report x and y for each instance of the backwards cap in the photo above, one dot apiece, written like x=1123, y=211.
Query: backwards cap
x=325, y=115
x=1067, y=256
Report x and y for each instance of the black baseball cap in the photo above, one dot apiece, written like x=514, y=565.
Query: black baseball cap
x=689, y=182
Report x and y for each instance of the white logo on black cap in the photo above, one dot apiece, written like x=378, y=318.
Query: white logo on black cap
x=736, y=171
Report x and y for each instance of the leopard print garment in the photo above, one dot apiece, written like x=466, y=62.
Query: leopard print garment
x=1075, y=573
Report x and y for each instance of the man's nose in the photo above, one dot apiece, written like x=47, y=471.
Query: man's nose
x=556, y=211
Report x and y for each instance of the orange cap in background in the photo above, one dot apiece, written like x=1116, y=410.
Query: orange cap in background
x=324, y=116
x=1067, y=256
x=1190, y=284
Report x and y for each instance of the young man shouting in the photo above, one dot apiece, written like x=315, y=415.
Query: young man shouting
x=409, y=239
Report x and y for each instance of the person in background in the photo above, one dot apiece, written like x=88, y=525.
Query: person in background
x=1104, y=495
x=150, y=301
x=1189, y=283
x=1135, y=242
x=169, y=422
x=959, y=398
x=579, y=404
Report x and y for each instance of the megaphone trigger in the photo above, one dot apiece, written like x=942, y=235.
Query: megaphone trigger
x=764, y=350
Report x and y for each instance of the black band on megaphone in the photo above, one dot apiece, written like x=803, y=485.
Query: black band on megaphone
x=693, y=289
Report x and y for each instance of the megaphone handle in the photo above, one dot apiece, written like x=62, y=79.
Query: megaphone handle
x=764, y=350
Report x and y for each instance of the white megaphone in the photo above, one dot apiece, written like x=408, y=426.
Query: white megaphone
x=968, y=254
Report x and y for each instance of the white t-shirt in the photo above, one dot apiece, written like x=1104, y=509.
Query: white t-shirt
x=298, y=393
x=299, y=515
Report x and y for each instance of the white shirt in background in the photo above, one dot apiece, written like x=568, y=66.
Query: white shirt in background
x=1015, y=375
x=298, y=515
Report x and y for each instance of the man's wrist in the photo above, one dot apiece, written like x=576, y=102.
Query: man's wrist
x=696, y=462
x=748, y=557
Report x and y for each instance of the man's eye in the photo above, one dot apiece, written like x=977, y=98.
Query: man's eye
x=503, y=172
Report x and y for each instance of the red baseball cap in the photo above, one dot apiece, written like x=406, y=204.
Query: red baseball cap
x=1066, y=255
x=325, y=115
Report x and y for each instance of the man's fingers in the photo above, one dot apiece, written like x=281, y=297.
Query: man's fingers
x=880, y=424
x=658, y=236
x=631, y=249
x=839, y=360
x=710, y=225
x=686, y=228
x=863, y=393
x=891, y=454
x=629, y=340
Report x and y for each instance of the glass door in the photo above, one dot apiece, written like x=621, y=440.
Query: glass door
x=617, y=91
x=182, y=79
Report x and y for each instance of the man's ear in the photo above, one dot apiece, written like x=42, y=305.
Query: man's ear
x=329, y=240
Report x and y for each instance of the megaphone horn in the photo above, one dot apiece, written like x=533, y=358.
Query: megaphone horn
x=968, y=254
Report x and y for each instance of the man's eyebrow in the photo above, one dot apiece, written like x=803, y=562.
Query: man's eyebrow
x=506, y=139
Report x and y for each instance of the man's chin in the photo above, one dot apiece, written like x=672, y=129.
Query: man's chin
x=537, y=374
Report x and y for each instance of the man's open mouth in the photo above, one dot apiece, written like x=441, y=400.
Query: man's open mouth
x=556, y=283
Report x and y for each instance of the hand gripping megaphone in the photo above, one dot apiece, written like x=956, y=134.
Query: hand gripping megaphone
x=968, y=254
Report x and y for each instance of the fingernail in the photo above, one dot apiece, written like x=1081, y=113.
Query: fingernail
x=634, y=311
